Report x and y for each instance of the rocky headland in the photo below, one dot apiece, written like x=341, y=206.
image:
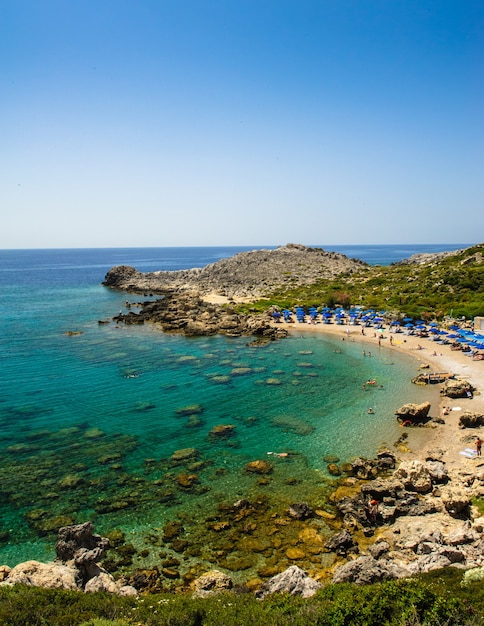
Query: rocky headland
x=245, y=275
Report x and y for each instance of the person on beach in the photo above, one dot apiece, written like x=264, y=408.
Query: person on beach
x=478, y=443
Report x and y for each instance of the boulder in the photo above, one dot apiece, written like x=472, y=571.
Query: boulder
x=79, y=541
x=47, y=575
x=341, y=543
x=102, y=582
x=458, y=388
x=455, y=499
x=4, y=572
x=471, y=419
x=414, y=475
x=413, y=413
x=438, y=472
x=428, y=562
x=211, y=582
x=366, y=570
x=378, y=549
x=293, y=580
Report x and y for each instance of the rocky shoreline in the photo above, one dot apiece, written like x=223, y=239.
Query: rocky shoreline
x=188, y=313
x=394, y=521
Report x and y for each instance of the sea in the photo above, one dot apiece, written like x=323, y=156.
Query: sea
x=118, y=424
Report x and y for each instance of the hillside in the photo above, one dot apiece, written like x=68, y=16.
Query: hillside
x=421, y=286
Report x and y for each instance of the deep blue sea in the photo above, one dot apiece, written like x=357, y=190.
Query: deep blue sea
x=91, y=414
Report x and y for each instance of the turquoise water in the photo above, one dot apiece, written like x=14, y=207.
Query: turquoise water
x=89, y=421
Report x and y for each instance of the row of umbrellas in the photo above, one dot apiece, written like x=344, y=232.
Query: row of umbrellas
x=369, y=317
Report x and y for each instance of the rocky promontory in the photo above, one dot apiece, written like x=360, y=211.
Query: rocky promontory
x=189, y=314
x=246, y=275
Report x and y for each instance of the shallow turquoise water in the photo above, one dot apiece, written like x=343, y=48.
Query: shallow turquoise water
x=92, y=418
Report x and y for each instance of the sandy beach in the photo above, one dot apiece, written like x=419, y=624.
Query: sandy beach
x=448, y=437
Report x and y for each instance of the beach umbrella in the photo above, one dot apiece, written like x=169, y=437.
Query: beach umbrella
x=420, y=327
x=452, y=336
x=434, y=331
x=411, y=326
x=407, y=319
x=433, y=324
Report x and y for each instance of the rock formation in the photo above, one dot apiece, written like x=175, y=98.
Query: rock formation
x=76, y=565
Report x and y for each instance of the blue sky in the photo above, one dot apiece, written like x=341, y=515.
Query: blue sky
x=240, y=122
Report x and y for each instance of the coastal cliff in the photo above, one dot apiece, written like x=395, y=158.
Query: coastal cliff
x=246, y=275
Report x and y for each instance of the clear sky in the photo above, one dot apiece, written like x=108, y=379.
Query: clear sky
x=240, y=122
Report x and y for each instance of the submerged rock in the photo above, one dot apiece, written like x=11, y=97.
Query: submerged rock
x=259, y=467
x=300, y=510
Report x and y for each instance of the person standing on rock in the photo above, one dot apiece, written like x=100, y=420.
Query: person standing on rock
x=478, y=443
x=373, y=510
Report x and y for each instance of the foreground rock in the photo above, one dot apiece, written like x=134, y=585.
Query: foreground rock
x=248, y=274
x=76, y=566
x=294, y=581
x=212, y=582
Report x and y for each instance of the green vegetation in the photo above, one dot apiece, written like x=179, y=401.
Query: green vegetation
x=432, y=599
x=453, y=285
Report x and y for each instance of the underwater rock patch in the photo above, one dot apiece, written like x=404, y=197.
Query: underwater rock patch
x=292, y=425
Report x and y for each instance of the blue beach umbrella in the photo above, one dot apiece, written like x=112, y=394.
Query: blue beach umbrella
x=433, y=324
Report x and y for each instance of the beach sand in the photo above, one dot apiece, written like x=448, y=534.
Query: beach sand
x=447, y=438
